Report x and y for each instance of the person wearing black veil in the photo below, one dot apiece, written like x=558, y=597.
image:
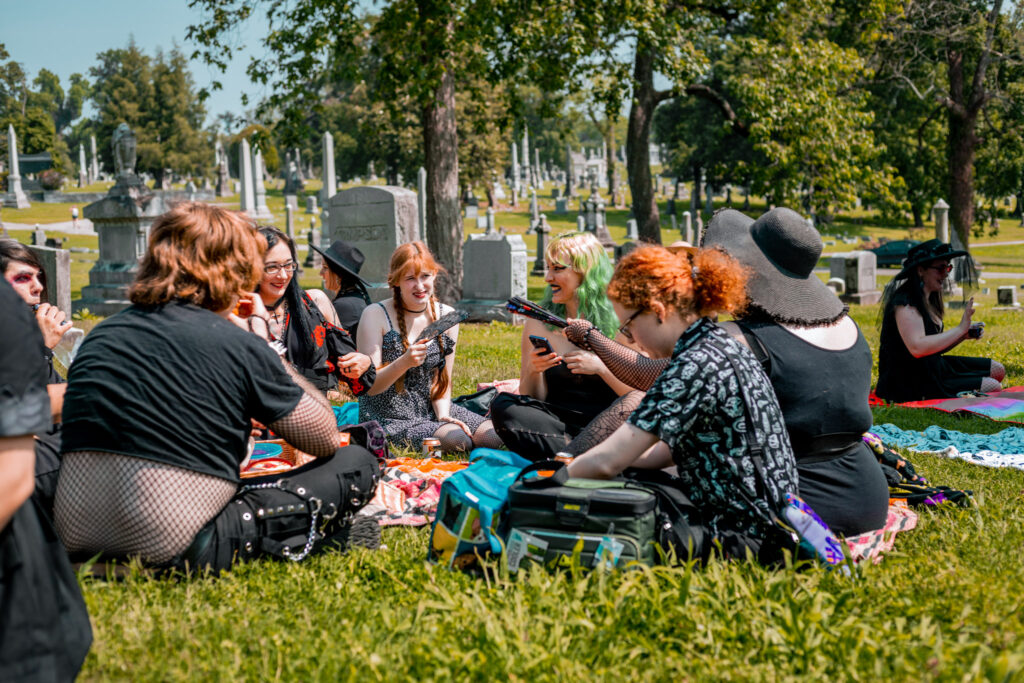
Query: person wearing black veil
x=913, y=364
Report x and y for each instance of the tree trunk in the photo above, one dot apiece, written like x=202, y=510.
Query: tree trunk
x=695, y=198
x=962, y=144
x=444, y=224
x=638, y=154
x=915, y=209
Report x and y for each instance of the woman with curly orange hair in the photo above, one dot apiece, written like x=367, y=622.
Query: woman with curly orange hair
x=704, y=403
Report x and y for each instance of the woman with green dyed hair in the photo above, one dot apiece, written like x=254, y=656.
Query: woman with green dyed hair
x=568, y=400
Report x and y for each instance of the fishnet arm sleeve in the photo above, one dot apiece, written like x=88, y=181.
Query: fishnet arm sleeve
x=310, y=427
x=629, y=366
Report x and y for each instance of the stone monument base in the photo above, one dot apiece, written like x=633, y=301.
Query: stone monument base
x=16, y=200
x=863, y=298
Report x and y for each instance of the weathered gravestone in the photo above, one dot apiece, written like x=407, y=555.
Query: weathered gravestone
x=311, y=204
x=624, y=248
x=289, y=220
x=631, y=230
x=56, y=264
x=375, y=219
x=1006, y=295
x=15, y=197
x=857, y=269
x=122, y=219
x=494, y=269
x=562, y=205
x=37, y=237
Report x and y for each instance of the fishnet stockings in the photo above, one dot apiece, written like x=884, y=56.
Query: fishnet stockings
x=486, y=437
x=310, y=427
x=124, y=506
x=630, y=367
x=602, y=426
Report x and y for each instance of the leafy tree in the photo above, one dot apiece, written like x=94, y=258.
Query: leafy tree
x=157, y=99
x=967, y=44
x=424, y=48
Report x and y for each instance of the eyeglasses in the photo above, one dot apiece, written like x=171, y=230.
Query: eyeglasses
x=275, y=268
x=624, y=330
x=942, y=267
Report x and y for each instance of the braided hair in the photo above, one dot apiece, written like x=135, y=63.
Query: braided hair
x=416, y=258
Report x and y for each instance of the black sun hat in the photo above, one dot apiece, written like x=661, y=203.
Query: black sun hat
x=344, y=259
x=781, y=250
x=926, y=252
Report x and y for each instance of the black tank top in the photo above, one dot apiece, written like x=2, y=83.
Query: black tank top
x=823, y=394
x=585, y=394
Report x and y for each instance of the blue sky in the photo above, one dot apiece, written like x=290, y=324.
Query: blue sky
x=65, y=36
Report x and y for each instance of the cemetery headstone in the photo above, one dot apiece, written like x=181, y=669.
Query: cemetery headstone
x=375, y=219
x=289, y=220
x=421, y=201
x=313, y=258
x=371, y=171
x=122, y=220
x=248, y=193
x=698, y=229
x=581, y=223
x=675, y=223
x=472, y=211
x=83, y=173
x=624, y=248
x=311, y=204
x=95, y=175
x=292, y=201
x=687, y=231
x=15, y=197
x=330, y=179
x=670, y=207
x=941, y=213
x=1006, y=295
x=237, y=187
x=562, y=205
x=190, y=190
x=542, y=230
x=858, y=272
x=38, y=236
x=494, y=269
x=534, y=208
x=489, y=220
x=631, y=230
x=515, y=169
x=56, y=264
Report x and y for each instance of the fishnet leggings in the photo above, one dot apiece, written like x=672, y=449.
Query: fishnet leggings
x=127, y=506
x=628, y=366
x=602, y=426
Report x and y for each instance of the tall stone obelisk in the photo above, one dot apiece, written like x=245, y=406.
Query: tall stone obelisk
x=330, y=187
x=15, y=197
x=261, y=211
x=94, y=172
x=248, y=193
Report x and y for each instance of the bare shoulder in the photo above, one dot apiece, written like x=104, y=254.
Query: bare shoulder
x=734, y=331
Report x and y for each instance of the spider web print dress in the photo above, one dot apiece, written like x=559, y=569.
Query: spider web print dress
x=408, y=415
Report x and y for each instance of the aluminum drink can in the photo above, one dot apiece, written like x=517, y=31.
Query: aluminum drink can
x=431, y=448
x=564, y=457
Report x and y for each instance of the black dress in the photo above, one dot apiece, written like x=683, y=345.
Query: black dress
x=536, y=429
x=350, y=304
x=824, y=400
x=901, y=377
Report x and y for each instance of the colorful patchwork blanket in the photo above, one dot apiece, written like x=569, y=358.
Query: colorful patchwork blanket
x=871, y=545
x=408, y=491
x=1002, y=406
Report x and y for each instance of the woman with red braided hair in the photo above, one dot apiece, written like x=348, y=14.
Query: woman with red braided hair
x=705, y=402
x=411, y=397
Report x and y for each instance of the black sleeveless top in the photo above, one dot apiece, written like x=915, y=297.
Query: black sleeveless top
x=824, y=399
x=901, y=377
x=584, y=394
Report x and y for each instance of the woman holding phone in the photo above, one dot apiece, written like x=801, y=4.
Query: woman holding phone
x=568, y=399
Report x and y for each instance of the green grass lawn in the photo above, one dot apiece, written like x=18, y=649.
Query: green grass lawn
x=947, y=604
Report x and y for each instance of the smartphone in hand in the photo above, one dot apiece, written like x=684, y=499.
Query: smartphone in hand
x=541, y=343
x=976, y=330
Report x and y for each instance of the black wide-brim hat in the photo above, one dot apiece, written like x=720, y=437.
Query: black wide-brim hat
x=344, y=259
x=926, y=252
x=781, y=250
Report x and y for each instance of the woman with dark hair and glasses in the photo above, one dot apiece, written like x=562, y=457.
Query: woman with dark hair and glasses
x=305, y=322
x=912, y=364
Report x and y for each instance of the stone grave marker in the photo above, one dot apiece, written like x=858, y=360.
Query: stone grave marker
x=562, y=205
x=489, y=220
x=858, y=271
x=581, y=223
x=631, y=230
x=542, y=230
x=289, y=218
x=56, y=264
x=248, y=192
x=292, y=201
x=122, y=219
x=330, y=179
x=624, y=248
x=313, y=259
x=375, y=219
x=1006, y=295
x=687, y=230
x=311, y=204
x=37, y=237
x=494, y=269
x=15, y=197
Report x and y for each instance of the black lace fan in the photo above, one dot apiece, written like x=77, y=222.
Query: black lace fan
x=521, y=306
x=445, y=322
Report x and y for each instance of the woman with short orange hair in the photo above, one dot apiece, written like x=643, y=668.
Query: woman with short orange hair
x=160, y=404
x=704, y=404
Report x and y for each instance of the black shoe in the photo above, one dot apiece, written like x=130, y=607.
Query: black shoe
x=358, y=532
